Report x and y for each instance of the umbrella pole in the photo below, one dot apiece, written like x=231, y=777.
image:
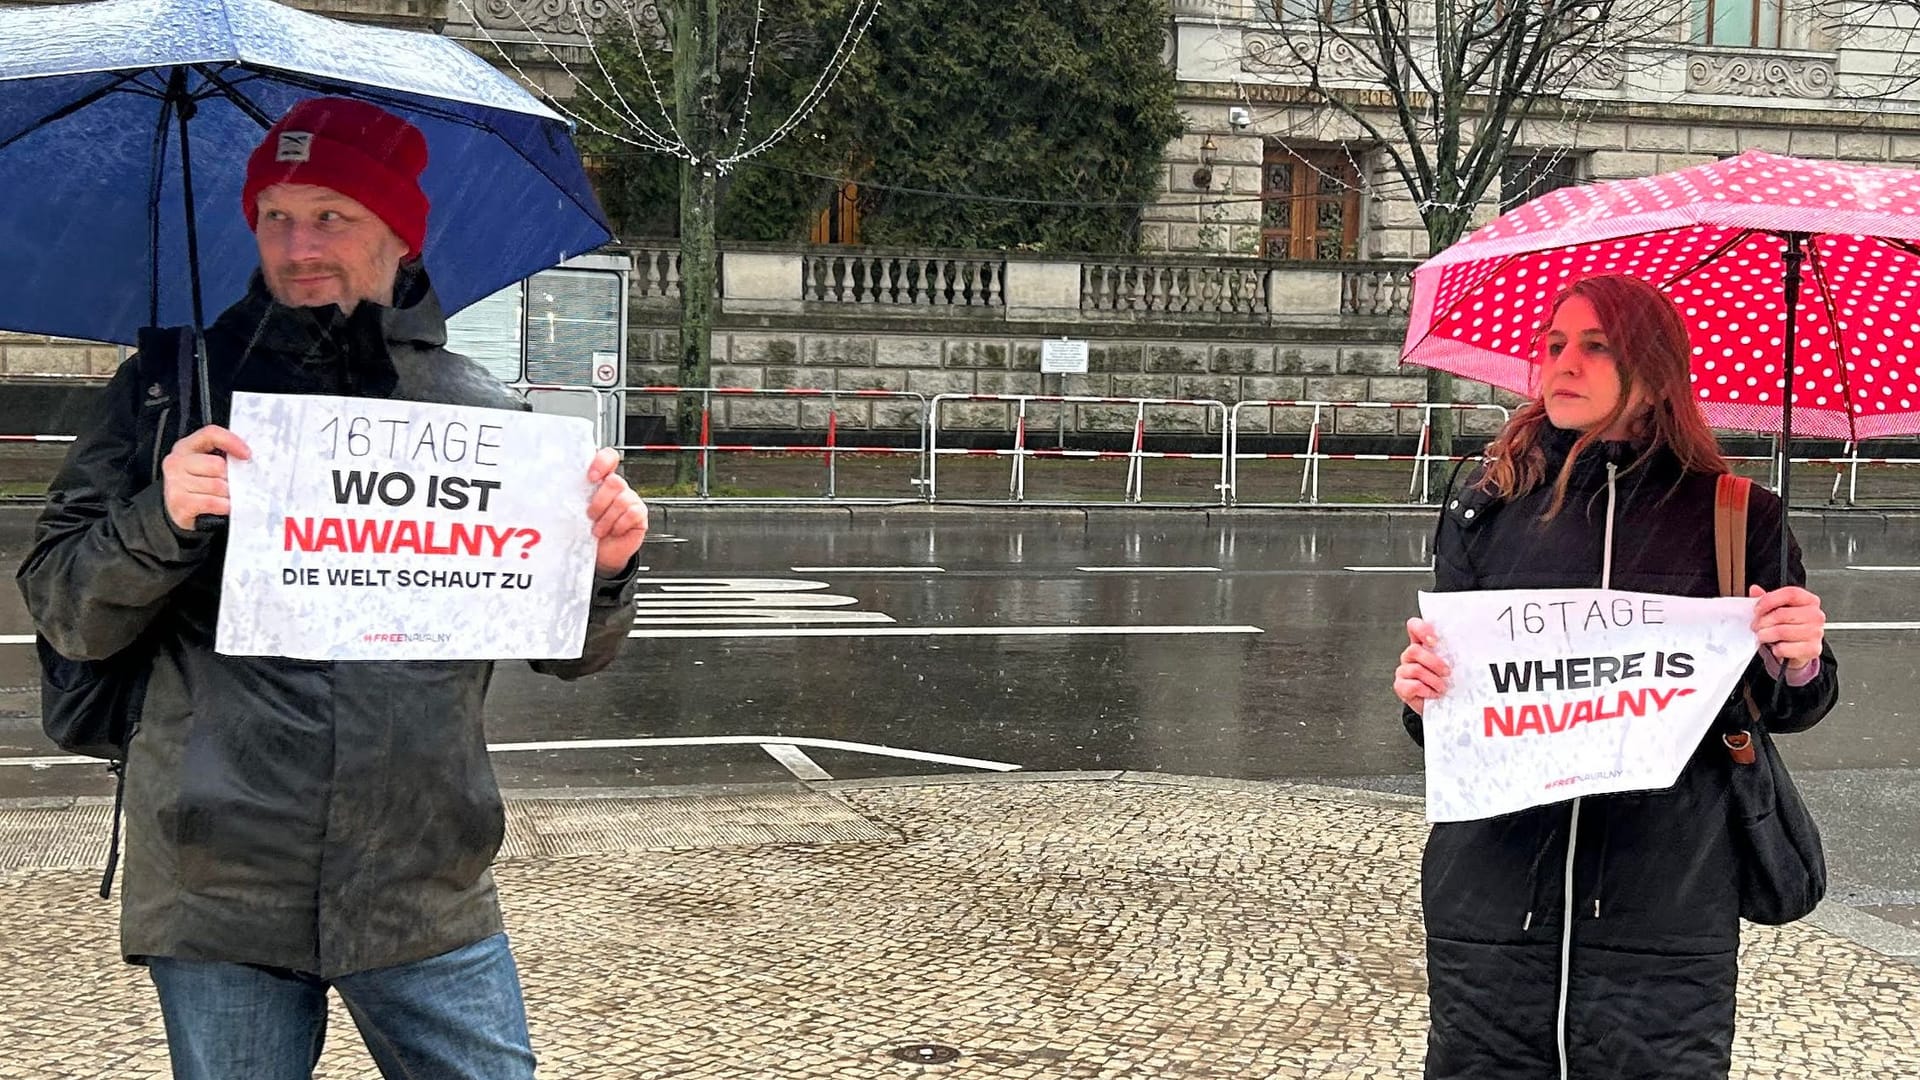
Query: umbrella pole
x=1793, y=257
x=184, y=109
x=184, y=112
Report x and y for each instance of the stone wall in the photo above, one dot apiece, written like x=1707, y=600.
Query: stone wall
x=1123, y=362
x=39, y=355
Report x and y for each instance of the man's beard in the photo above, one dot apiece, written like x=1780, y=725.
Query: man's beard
x=284, y=289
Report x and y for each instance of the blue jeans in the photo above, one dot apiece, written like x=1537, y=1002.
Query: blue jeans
x=457, y=1016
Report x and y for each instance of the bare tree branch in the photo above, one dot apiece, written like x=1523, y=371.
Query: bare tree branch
x=1885, y=26
x=1455, y=80
x=1444, y=89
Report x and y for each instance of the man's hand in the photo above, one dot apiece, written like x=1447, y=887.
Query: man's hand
x=194, y=475
x=1790, y=622
x=619, y=517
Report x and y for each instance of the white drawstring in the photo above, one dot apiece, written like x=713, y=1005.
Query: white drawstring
x=1606, y=560
x=1566, y=937
x=1573, y=821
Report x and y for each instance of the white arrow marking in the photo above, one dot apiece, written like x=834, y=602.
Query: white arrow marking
x=796, y=761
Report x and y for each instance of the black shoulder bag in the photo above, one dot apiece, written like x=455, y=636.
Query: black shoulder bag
x=1783, y=871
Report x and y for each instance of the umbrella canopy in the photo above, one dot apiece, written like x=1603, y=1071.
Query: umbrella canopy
x=1716, y=239
x=124, y=131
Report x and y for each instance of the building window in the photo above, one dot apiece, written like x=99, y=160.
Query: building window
x=1311, y=205
x=1306, y=11
x=1525, y=177
x=839, y=223
x=1748, y=24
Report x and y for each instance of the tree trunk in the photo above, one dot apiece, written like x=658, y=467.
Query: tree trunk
x=696, y=86
x=1444, y=227
x=699, y=265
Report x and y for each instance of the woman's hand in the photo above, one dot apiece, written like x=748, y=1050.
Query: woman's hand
x=1422, y=675
x=1789, y=622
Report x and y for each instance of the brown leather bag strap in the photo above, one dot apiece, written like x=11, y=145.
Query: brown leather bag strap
x=1730, y=556
x=1730, y=532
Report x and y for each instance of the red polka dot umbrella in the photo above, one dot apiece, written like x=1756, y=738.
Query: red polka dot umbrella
x=1773, y=261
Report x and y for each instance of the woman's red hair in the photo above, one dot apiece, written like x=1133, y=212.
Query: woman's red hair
x=1652, y=353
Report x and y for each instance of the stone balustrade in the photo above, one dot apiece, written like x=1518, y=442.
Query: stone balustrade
x=1217, y=287
x=921, y=279
x=913, y=283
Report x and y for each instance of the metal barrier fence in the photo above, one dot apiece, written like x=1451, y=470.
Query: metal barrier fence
x=1312, y=456
x=924, y=414
x=831, y=449
x=1136, y=455
x=1846, y=469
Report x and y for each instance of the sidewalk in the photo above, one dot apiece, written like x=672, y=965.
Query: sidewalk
x=1095, y=925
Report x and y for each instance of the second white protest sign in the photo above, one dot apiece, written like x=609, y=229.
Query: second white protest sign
x=1566, y=692
x=368, y=529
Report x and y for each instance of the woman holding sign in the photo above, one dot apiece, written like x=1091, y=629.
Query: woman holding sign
x=1597, y=937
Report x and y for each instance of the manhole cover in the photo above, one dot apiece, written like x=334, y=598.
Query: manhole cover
x=926, y=1053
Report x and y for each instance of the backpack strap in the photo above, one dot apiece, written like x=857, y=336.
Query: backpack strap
x=164, y=354
x=1730, y=499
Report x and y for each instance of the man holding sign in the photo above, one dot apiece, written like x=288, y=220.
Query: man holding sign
x=1581, y=882
x=300, y=825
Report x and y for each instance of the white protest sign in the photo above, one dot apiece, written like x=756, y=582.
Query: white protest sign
x=1557, y=693
x=367, y=529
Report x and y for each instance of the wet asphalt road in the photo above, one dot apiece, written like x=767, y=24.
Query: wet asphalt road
x=1026, y=648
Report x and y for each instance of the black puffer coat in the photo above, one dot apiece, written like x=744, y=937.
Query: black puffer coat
x=320, y=817
x=1649, y=975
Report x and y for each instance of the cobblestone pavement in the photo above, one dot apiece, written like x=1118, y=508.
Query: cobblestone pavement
x=1102, y=927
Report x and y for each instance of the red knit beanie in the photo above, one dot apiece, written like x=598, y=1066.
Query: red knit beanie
x=359, y=150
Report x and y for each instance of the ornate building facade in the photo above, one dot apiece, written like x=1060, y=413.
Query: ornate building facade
x=1266, y=171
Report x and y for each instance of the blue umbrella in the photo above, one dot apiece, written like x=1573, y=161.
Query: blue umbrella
x=125, y=127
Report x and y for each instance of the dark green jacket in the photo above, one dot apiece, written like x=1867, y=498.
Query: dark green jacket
x=320, y=817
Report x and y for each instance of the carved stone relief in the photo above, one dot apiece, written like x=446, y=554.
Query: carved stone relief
x=1335, y=59
x=1760, y=75
x=1603, y=69
x=561, y=17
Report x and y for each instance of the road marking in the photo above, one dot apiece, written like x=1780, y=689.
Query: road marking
x=796, y=761
x=651, y=539
x=721, y=617
x=1888, y=569
x=948, y=631
x=1389, y=569
x=1148, y=569
x=16, y=639
x=867, y=569
x=733, y=584
x=738, y=601
x=631, y=744
x=752, y=601
x=1873, y=626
